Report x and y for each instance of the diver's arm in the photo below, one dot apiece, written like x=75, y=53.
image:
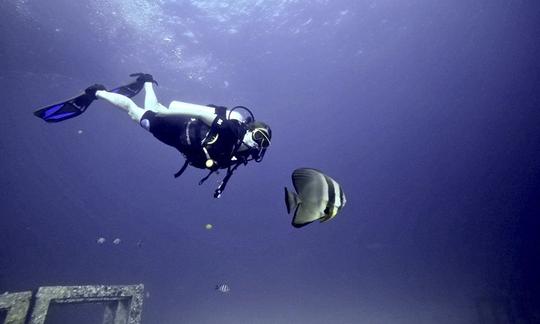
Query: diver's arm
x=204, y=113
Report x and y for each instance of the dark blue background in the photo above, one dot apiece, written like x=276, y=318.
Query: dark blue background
x=425, y=111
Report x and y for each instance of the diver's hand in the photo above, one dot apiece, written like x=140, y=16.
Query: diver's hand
x=144, y=77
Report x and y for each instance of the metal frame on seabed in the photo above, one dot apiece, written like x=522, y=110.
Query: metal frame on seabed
x=123, y=304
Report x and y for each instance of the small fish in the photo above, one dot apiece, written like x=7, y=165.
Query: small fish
x=317, y=197
x=100, y=240
x=223, y=288
x=116, y=241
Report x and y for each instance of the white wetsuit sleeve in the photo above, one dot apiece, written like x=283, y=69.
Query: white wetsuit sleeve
x=204, y=113
x=122, y=102
x=150, y=99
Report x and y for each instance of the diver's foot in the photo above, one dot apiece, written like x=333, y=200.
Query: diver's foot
x=144, y=77
x=91, y=90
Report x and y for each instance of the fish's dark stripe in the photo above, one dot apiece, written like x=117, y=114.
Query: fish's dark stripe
x=340, y=198
x=331, y=195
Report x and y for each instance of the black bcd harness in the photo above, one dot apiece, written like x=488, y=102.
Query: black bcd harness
x=221, y=115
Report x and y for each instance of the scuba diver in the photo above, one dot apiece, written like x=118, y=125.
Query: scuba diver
x=209, y=137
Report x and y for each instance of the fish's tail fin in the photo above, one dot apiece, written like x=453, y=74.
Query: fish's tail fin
x=291, y=200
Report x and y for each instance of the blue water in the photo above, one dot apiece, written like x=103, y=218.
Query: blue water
x=426, y=112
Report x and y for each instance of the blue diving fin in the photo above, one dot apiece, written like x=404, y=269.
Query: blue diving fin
x=67, y=109
x=129, y=90
x=133, y=88
x=75, y=106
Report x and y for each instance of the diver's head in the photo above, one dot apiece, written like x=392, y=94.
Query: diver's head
x=258, y=136
x=260, y=133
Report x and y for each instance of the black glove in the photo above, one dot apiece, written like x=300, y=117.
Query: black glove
x=91, y=90
x=144, y=77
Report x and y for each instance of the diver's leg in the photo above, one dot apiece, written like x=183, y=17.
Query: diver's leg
x=122, y=102
x=150, y=99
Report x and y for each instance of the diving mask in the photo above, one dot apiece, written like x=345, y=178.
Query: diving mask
x=261, y=137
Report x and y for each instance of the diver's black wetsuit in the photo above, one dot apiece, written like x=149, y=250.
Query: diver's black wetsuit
x=190, y=135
